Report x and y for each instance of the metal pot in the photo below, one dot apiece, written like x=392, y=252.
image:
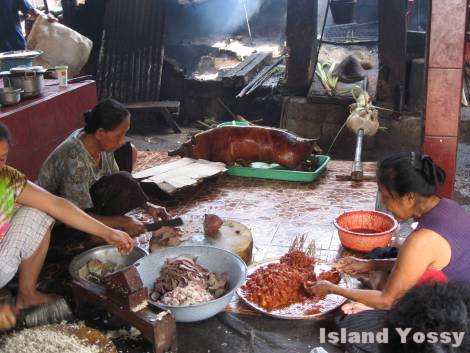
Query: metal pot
x=30, y=80
x=10, y=96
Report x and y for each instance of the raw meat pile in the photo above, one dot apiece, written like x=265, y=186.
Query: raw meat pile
x=168, y=236
x=183, y=282
x=281, y=284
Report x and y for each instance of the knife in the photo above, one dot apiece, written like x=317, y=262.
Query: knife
x=175, y=222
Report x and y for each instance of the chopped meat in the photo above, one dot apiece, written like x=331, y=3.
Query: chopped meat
x=168, y=236
x=182, y=272
x=95, y=270
x=192, y=294
x=332, y=276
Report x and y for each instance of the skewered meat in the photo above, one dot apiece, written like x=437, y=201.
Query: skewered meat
x=299, y=260
x=246, y=144
x=280, y=284
x=212, y=224
x=332, y=276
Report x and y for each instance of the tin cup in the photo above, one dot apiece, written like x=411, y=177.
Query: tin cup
x=62, y=75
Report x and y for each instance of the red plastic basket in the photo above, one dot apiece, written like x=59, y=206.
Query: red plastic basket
x=365, y=230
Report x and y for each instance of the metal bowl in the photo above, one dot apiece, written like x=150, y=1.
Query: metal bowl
x=213, y=259
x=107, y=254
x=10, y=96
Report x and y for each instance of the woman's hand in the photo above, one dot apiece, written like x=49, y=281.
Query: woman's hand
x=157, y=212
x=353, y=265
x=121, y=240
x=7, y=317
x=319, y=288
x=132, y=226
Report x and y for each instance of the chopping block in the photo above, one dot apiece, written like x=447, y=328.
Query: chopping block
x=232, y=236
x=124, y=296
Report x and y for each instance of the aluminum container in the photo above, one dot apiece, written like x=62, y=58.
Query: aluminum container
x=10, y=96
x=106, y=254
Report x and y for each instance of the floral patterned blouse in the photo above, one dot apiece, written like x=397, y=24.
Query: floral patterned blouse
x=70, y=171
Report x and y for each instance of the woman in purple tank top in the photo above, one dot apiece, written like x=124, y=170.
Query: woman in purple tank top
x=407, y=184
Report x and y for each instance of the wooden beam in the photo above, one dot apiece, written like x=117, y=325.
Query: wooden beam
x=392, y=52
x=301, y=41
x=244, y=72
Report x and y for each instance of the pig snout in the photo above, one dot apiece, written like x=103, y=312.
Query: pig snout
x=176, y=152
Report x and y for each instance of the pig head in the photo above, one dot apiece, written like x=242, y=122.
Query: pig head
x=197, y=147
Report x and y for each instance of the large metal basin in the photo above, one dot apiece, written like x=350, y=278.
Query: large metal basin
x=107, y=254
x=214, y=259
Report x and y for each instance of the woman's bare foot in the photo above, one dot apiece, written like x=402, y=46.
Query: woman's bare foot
x=34, y=298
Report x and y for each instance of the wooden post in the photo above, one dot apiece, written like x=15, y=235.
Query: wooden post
x=392, y=51
x=301, y=37
x=446, y=43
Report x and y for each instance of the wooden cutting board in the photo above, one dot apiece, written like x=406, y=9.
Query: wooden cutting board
x=232, y=236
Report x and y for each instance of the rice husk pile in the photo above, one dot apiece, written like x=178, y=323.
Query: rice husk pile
x=44, y=340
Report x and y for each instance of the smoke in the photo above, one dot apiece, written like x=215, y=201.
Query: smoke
x=224, y=16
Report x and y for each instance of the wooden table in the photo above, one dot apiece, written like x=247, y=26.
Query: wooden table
x=40, y=124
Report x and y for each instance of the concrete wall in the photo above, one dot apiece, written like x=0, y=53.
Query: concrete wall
x=323, y=121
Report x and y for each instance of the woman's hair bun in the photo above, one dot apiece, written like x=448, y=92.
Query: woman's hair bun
x=433, y=174
x=88, y=116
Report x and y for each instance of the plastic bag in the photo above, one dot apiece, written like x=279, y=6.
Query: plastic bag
x=60, y=44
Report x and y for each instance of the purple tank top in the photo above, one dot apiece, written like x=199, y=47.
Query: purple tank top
x=449, y=220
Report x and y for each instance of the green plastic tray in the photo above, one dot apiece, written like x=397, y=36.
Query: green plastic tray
x=277, y=172
x=234, y=123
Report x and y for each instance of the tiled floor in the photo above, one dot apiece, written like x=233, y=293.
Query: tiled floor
x=276, y=211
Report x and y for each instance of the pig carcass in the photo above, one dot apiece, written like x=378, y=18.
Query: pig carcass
x=246, y=144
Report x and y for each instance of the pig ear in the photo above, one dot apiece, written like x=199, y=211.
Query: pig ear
x=193, y=138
